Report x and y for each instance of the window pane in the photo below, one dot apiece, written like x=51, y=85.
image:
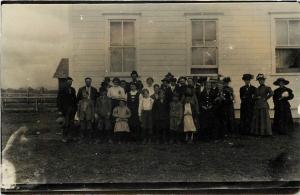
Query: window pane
x=197, y=56
x=197, y=33
x=281, y=32
x=294, y=32
x=116, y=59
x=115, y=33
x=129, y=59
x=210, y=33
x=287, y=58
x=210, y=56
x=128, y=33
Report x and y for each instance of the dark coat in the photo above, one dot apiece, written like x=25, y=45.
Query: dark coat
x=227, y=109
x=180, y=90
x=160, y=110
x=168, y=93
x=283, y=121
x=93, y=95
x=247, y=106
x=66, y=100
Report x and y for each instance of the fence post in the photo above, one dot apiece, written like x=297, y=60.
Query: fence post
x=36, y=104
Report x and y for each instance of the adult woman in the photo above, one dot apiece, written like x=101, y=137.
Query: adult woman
x=247, y=103
x=261, y=123
x=283, y=121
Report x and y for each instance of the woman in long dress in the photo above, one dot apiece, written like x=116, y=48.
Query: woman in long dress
x=283, y=121
x=261, y=124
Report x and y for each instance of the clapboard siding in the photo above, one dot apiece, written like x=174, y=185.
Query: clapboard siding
x=244, y=43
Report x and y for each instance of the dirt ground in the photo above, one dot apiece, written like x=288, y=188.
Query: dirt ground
x=43, y=158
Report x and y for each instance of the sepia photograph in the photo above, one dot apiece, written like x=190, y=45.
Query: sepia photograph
x=150, y=95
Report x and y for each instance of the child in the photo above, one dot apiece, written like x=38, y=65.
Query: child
x=102, y=113
x=176, y=114
x=145, y=115
x=161, y=119
x=86, y=114
x=189, y=119
x=121, y=113
x=133, y=104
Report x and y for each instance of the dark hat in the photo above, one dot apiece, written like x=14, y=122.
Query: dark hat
x=247, y=77
x=285, y=82
x=173, y=79
x=260, y=76
x=226, y=79
x=69, y=78
x=86, y=78
x=107, y=79
x=169, y=75
x=116, y=79
x=202, y=79
x=165, y=79
x=134, y=72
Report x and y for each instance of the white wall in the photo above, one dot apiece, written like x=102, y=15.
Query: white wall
x=244, y=36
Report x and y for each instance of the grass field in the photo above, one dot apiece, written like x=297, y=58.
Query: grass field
x=43, y=158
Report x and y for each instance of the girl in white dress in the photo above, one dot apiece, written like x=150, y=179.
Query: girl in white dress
x=121, y=113
x=189, y=126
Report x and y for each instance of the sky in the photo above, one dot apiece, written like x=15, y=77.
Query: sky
x=34, y=39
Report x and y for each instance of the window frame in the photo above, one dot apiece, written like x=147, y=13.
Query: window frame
x=121, y=17
x=275, y=16
x=205, y=16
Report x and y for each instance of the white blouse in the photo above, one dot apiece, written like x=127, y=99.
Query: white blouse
x=116, y=92
x=145, y=104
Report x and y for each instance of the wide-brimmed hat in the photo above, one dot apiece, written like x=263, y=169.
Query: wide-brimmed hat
x=226, y=79
x=260, y=76
x=247, y=77
x=279, y=80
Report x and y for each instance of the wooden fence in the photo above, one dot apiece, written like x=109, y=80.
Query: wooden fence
x=28, y=101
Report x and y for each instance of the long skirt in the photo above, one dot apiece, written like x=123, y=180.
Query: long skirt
x=283, y=121
x=246, y=118
x=261, y=123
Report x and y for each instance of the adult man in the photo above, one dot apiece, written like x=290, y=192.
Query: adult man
x=67, y=106
x=87, y=89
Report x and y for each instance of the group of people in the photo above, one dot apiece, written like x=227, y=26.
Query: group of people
x=176, y=110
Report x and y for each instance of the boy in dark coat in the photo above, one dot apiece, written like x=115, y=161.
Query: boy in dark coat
x=160, y=111
x=247, y=93
x=283, y=121
x=67, y=106
x=133, y=104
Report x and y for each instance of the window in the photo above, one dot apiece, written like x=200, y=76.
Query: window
x=122, y=45
x=287, y=45
x=204, y=46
